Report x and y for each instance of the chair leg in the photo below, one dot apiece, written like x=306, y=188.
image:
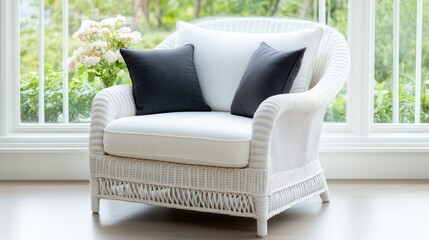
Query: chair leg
x=95, y=201
x=325, y=197
x=262, y=228
x=261, y=207
x=95, y=205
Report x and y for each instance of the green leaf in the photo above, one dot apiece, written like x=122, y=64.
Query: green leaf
x=81, y=70
x=91, y=77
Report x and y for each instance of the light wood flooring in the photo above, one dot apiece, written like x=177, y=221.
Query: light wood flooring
x=361, y=210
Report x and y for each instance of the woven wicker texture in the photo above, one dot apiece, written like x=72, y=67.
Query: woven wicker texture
x=283, y=166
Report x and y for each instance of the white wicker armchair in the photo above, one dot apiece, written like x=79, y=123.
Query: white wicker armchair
x=283, y=168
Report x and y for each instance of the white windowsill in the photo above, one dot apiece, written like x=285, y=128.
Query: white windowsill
x=333, y=142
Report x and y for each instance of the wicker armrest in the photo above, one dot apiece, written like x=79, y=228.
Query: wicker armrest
x=283, y=128
x=286, y=127
x=109, y=104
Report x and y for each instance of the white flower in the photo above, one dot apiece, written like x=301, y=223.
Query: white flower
x=98, y=44
x=83, y=51
x=108, y=23
x=124, y=30
x=137, y=37
x=106, y=33
x=124, y=38
x=119, y=55
x=92, y=30
x=130, y=38
x=80, y=35
x=91, y=49
x=120, y=20
x=110, y=56
x=89, y=61
x=76, y=54
x=72, y=63
x=90, y=24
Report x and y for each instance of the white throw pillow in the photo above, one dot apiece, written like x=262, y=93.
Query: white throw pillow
x=221, y=57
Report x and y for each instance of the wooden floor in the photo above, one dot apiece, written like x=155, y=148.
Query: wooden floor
x=361, y=210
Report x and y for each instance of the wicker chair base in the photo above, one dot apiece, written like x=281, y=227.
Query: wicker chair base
x=228, y=203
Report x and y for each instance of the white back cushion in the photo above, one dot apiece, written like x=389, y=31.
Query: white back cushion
x=222, y=57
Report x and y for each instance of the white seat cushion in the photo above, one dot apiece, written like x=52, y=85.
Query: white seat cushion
x=201, y=138
x=221, y=58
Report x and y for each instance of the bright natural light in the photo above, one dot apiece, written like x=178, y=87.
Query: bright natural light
x=214, y=119
x=401, y=88
x=155, y=20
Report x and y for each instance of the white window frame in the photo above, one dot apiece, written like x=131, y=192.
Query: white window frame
x=14, y=136
x=358, y=134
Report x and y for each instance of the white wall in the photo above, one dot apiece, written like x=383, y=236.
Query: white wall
x=44, y=166
x=378, y=165
x=344, y=165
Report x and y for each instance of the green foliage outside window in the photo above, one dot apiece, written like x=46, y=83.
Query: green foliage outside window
x=156, y=20
x=383, y=65
x=81, y=93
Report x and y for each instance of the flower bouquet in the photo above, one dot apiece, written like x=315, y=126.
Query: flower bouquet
x=98, y=56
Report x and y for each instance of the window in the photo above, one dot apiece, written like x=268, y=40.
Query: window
x=401, y=87
x=385, y=101
x=337, y=17
x=50, y=94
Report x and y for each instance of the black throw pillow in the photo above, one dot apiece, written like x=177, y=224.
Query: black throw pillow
x=164, y=80
x=269, y=72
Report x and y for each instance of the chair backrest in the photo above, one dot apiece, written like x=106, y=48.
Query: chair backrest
x=274, y=25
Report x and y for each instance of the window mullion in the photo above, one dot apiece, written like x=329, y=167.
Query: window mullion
x=395, y=86
x=41, y=62
x=65, y=19
x=417, y=94
x=361, y=44
x=322, y=11
x=3, y=68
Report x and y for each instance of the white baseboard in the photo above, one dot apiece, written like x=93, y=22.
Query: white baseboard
x=343, y=165
x=44, y=166
x=376, y=165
